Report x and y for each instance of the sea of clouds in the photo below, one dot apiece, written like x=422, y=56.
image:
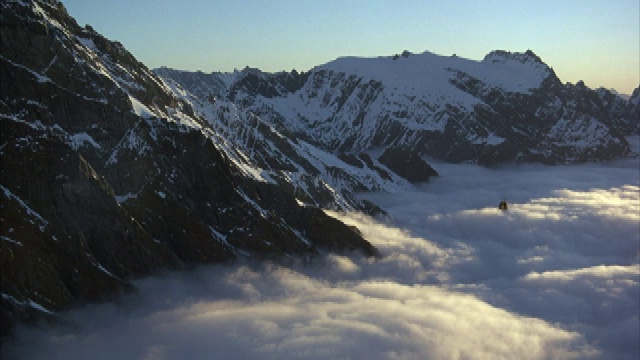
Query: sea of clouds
x=555, y=276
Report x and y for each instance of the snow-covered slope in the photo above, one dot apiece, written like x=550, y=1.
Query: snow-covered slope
x=273, y=154
x=508, y=107
x=429, y=74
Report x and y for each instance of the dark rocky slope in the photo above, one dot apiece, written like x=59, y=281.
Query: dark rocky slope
x=107, y=176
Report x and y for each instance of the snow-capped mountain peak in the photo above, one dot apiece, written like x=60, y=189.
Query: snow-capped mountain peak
x=115, y=171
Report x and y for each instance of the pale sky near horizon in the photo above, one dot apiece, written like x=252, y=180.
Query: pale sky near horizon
x=590, y=40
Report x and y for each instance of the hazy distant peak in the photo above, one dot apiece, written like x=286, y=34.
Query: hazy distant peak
x=432, y=73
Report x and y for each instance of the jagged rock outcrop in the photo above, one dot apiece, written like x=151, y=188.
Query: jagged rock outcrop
x=107, y=175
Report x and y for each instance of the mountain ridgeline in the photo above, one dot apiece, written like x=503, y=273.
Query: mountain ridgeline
x=111, y=171
x=507, y=108
x=107, y=175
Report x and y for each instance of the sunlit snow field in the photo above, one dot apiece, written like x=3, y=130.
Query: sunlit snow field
x=556, y=276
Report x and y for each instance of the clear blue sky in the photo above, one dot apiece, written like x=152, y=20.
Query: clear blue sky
x=596, y=41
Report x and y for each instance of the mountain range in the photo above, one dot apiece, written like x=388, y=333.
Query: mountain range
x=112, y=171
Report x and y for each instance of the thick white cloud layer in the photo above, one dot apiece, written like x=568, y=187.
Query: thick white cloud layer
x=556, y=276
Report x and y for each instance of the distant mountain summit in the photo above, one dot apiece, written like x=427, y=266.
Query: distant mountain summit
x=111, y=171
x=509, y=107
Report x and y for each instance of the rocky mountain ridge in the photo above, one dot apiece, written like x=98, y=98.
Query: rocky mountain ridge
x=108, y=176
x=509, y=107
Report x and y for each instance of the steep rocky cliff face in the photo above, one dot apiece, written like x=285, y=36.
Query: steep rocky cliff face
x=269, y=147
x=107, y=175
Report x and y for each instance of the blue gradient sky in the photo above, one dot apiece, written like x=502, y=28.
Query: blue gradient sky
x=592, y=40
